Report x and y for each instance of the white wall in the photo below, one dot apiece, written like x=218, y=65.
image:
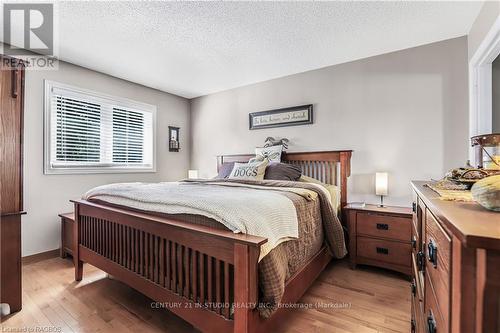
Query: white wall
x=47, y=195
x=404, y=112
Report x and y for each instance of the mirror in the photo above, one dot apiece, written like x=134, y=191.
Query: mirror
x=495, y=111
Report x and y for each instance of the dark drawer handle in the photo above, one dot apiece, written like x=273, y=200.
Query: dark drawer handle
x=382, y=226
x=414, y=242
x=413, y=288
x=431, y=323
x=432, y=252
x=382, y=250
x=414, y=207
x=413, y=326
x=420, y=260
x=14, y=83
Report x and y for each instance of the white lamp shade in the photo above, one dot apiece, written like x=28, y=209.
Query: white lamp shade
x=192, y=174
x=381, y=183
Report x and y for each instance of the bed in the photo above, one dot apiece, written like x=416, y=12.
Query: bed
x=194, y=267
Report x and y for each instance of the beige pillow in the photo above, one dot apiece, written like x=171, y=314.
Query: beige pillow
x=249, y=171
x=332, y=190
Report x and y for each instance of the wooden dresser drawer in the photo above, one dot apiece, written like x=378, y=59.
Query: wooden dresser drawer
x=417, y=316
x=385, y=226
x=392, y=252
x=417, y=278
x=432, y=313
x=438, y=263
x=415, y=327
x=415, y=240
x=418, y=207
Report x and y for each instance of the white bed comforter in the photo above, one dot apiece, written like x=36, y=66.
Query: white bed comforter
x=242, y=208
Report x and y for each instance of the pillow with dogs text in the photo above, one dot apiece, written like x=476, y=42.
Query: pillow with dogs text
x=249, y=171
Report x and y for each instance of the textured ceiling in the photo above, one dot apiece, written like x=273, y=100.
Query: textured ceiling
x=192, y=48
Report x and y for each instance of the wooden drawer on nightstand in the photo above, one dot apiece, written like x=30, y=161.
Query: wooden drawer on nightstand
x=437, y=268
x=391, y=252
x=384, y=226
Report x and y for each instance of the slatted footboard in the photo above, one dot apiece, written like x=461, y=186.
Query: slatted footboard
x=196, y=272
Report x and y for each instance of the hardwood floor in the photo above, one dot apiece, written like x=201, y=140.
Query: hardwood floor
x=377, y=301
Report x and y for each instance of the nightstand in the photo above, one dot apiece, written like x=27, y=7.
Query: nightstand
x=380, y=236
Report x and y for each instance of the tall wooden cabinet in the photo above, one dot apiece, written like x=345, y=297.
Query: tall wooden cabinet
x=456, y=265
x=11, y=175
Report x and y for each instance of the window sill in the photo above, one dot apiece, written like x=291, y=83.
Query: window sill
x=85, y=171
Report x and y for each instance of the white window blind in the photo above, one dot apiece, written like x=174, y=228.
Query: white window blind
x=128, y=136
x=90, y=132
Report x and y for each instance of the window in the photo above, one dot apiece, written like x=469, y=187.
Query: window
x=88, y=132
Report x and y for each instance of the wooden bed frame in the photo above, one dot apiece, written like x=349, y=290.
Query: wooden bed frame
x=200, y=273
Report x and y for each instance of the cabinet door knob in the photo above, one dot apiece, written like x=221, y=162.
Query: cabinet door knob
x=420, y=260
x=431, y=323
x=413, y=287
x=432, y=252
x=414, y=242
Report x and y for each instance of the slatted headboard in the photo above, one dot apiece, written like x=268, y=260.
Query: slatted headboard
x=330, y=167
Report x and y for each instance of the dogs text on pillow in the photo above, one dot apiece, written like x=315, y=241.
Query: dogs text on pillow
x=249, y=171
x=273, y=153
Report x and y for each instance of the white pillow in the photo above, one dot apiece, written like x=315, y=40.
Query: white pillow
x=273, y=153
x=249, y=171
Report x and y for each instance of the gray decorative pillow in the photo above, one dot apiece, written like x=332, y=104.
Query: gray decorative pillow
x=249, y=171
x=282, y=171
x=225, y=170
x=273, y=153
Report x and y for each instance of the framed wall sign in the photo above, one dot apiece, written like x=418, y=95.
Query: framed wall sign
x=296, y=115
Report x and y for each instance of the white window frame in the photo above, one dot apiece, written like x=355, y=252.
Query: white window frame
x=49, y=169
x=480, y=84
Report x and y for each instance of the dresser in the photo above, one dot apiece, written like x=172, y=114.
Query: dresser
x=380, y=236
x=11, y=184
x=455, y=265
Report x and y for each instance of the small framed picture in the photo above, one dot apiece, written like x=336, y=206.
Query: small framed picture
x=173, y=141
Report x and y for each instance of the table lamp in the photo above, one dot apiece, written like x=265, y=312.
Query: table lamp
x=381, y=184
